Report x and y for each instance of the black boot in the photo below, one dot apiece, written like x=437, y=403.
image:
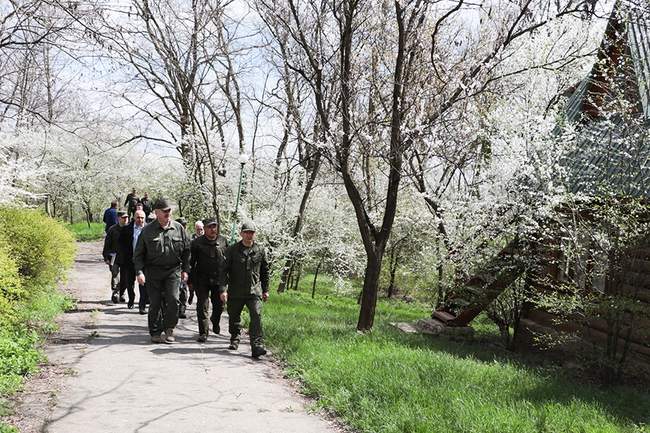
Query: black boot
x=258, y=351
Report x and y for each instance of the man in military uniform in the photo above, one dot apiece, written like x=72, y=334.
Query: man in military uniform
x=111, y=247
x=244, y=281
x=206, y=261
x=162, y=260
x=130, y=202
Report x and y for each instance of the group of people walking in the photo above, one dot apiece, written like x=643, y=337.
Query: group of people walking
x=167, y=263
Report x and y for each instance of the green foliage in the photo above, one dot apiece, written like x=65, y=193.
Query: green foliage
x=41, y=247
x=598, y=242
x=35, y=252
x=4, y=428
x=388, y=382
x=83, y=233
x=10, y=286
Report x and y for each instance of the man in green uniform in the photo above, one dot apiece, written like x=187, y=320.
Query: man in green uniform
x=244, y=281
x=206, y=261
x=111, y=246
x=162, y=260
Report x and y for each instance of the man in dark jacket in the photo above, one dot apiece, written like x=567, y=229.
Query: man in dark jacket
x=130, y=202
x=206, y=261
x=126, y=245
x=162, y=261
x=111, y=246
x=110, y=216
x=146, y=204
x=244, y=281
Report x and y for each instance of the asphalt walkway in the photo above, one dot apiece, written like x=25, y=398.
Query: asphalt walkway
x=119, y=382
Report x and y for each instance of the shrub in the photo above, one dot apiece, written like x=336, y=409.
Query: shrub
x=35, y=252
x=41, y=248
x=11, y=289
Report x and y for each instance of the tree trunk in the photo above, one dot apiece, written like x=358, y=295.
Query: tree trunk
x=313, y=286
x=296, y=279
x=369, y=293
x=393, y=271
x=300, y=219
x=286, y=274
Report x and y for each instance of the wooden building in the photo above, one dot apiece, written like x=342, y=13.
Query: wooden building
x=610, y=110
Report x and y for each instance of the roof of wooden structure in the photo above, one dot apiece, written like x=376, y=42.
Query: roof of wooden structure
x=611, y=107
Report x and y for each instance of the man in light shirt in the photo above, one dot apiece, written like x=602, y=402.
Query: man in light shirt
x=128, y=240
x=199, y=230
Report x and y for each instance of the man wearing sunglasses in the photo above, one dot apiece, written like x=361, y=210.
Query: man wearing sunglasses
x=162, y=260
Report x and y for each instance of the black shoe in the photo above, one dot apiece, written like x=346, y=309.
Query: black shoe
x=182, y=315
x=114, y=297
x=142, y=310
x=202, y=338
x=233, y=345
x=122, y=299
x=216, y=329
x=130, y=305
x=258, y=351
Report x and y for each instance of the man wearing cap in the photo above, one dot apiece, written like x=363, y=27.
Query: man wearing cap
x=207, y=255
x=244, y=281
x=111, y=247
x=162, y=260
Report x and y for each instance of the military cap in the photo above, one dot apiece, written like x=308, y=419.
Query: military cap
x=122, y=213
x=162, y=203
x=248, y=226
x=210, y=221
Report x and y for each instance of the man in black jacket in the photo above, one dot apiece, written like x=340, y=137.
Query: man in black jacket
x=205, y=261
x=131, y=201
x=126, y=245
x=109, y=253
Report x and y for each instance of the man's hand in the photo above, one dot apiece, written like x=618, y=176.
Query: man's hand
x=140, y=279
x=224, y=297
x=184, y=277
x=265, y=296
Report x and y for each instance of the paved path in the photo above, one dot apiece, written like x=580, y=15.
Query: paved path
x=120, y=382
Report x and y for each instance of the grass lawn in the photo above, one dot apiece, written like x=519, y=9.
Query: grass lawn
x=19, y=344
x=387, y=381
x=82, y=232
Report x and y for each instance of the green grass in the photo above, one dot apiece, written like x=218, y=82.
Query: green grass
x=388, y=382
x=19, y=344
x=82, y=232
